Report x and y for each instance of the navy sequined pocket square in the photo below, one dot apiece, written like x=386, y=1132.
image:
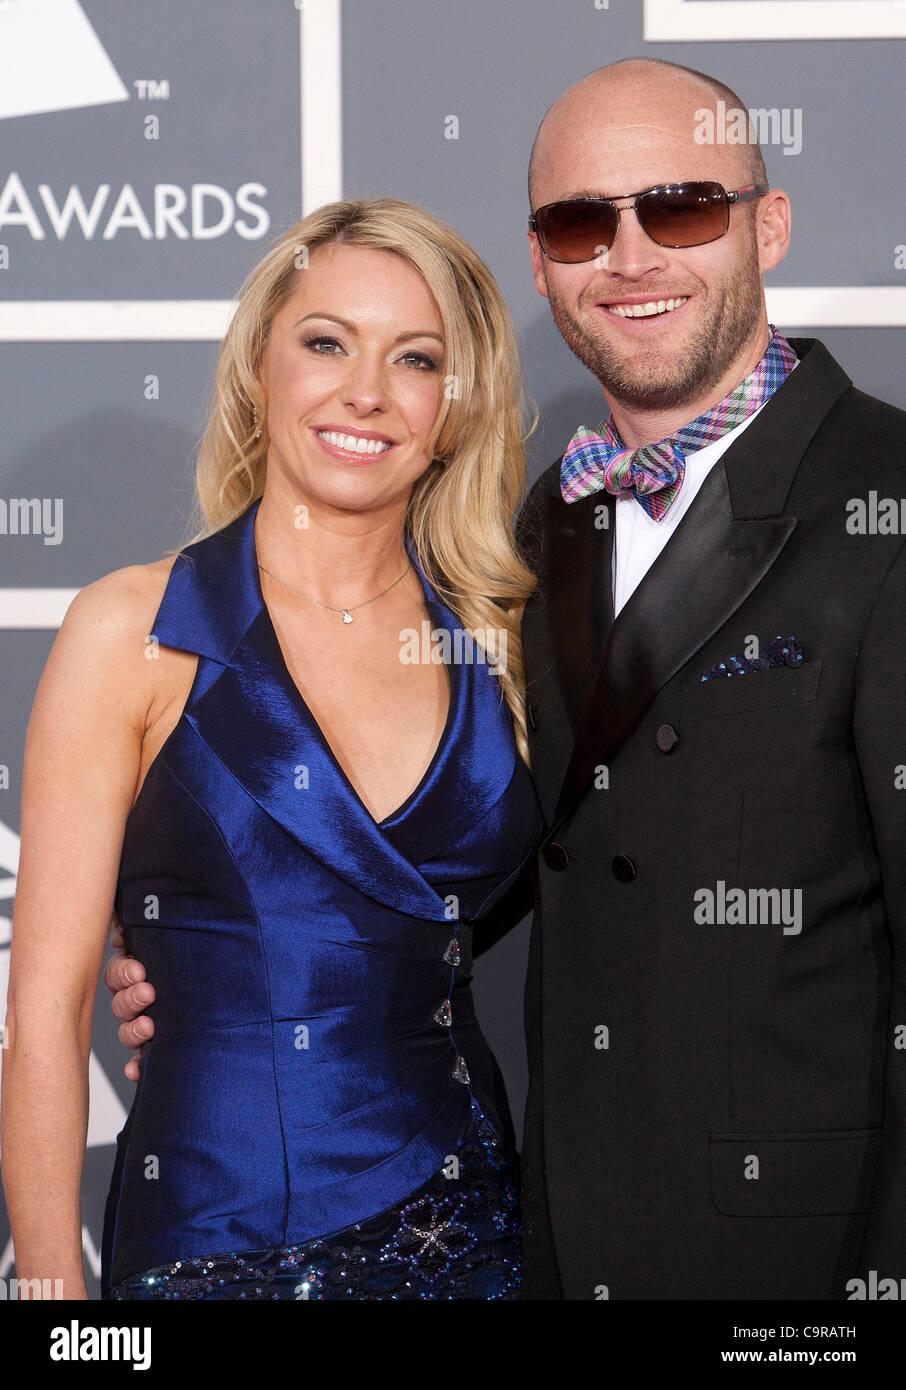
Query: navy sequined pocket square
x=783, y=651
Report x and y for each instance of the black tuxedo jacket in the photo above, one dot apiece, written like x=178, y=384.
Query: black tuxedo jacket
x=718, y=1110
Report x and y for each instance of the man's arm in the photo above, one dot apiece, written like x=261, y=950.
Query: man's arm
x=879, y=726
x=125, y=977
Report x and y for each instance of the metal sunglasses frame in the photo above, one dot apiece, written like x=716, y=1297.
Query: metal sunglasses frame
x=737, y=195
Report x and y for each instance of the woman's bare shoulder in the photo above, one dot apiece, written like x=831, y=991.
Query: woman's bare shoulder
x=98, y=687
x=121, y=603
x=105, y=635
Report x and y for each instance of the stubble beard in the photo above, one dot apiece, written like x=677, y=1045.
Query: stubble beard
x=727, y=326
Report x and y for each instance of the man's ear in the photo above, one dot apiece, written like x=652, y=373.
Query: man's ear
x=537, y=256
x=773, y=228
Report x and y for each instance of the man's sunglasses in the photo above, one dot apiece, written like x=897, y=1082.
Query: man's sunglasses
x=673, y=215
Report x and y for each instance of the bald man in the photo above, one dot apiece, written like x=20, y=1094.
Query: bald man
x=716, y=677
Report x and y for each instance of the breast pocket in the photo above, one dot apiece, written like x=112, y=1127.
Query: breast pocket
x=787, y=685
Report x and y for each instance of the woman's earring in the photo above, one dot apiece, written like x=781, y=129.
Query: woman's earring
x=258, y=431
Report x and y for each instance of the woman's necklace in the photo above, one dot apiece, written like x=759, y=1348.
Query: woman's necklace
x=347, y=612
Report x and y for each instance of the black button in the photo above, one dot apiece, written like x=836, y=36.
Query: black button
x=667, y=738
x=555, y=856
x=624, y=868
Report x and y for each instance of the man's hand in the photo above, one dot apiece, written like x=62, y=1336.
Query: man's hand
x=124, y=976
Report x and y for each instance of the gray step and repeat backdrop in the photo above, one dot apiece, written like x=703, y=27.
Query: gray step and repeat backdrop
x=149, y=153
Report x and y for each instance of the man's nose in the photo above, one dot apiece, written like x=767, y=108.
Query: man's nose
x=633, y=254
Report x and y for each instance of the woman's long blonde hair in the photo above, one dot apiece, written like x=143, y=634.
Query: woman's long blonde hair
x=461, y=513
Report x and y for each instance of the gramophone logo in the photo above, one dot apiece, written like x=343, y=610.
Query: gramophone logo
x=52, y=60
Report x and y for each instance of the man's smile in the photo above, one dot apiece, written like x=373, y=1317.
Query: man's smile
x=644, y=308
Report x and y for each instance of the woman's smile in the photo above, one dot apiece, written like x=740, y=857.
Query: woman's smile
x=352, y=445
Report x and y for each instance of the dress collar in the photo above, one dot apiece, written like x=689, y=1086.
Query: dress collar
x=254, y=719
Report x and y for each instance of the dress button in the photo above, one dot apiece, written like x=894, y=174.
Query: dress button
x=444, y=1015
x=555, y=856
x=667, y=738
x=461, y=1071
x=624, y=868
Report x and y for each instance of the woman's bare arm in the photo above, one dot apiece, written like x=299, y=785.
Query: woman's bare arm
x=82, y=762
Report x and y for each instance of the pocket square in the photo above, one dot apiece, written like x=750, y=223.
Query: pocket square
x=783, y=651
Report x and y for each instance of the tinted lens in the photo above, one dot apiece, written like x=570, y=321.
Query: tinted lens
x=576, y=231
x=690, y=214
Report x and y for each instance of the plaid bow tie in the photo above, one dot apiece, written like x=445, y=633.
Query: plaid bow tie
x=654, y=473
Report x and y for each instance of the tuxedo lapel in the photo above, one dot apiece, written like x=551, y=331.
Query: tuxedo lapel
x=728, y=540
x=581, y=591
x=713, y=561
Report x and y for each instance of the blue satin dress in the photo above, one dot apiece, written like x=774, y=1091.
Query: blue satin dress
x=318, y=1114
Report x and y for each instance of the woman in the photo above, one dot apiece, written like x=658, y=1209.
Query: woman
x=296, y=827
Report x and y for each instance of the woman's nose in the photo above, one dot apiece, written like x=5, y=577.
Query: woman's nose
x=365, y=385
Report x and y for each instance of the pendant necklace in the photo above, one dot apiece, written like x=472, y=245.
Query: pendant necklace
x=346, y=612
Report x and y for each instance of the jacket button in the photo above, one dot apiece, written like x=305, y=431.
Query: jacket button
x=624, y=868
x=667, y=738
x=555, y=856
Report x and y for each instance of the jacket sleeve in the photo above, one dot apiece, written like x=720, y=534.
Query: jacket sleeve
x=879, y=727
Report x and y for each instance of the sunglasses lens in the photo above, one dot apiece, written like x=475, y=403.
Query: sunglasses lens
x=576, y=231
x=689, y=214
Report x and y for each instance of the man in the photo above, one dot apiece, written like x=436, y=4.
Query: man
x=715, y=989
x=717, y=1077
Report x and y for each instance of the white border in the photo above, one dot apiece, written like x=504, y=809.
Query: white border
x=681, y=21
x=27, y=610
x=114, y=320
x=321, y=102
x=206, y=320
x=837, y=306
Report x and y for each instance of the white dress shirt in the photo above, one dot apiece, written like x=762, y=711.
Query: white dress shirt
x=638, y=539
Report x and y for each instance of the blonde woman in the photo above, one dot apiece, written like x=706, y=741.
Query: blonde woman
x=297, y=828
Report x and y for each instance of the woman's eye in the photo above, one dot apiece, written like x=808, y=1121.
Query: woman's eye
x=421, y=360
x=325, y=346
x=320, y=343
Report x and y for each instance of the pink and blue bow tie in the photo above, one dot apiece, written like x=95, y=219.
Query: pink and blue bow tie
x=654, y=473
